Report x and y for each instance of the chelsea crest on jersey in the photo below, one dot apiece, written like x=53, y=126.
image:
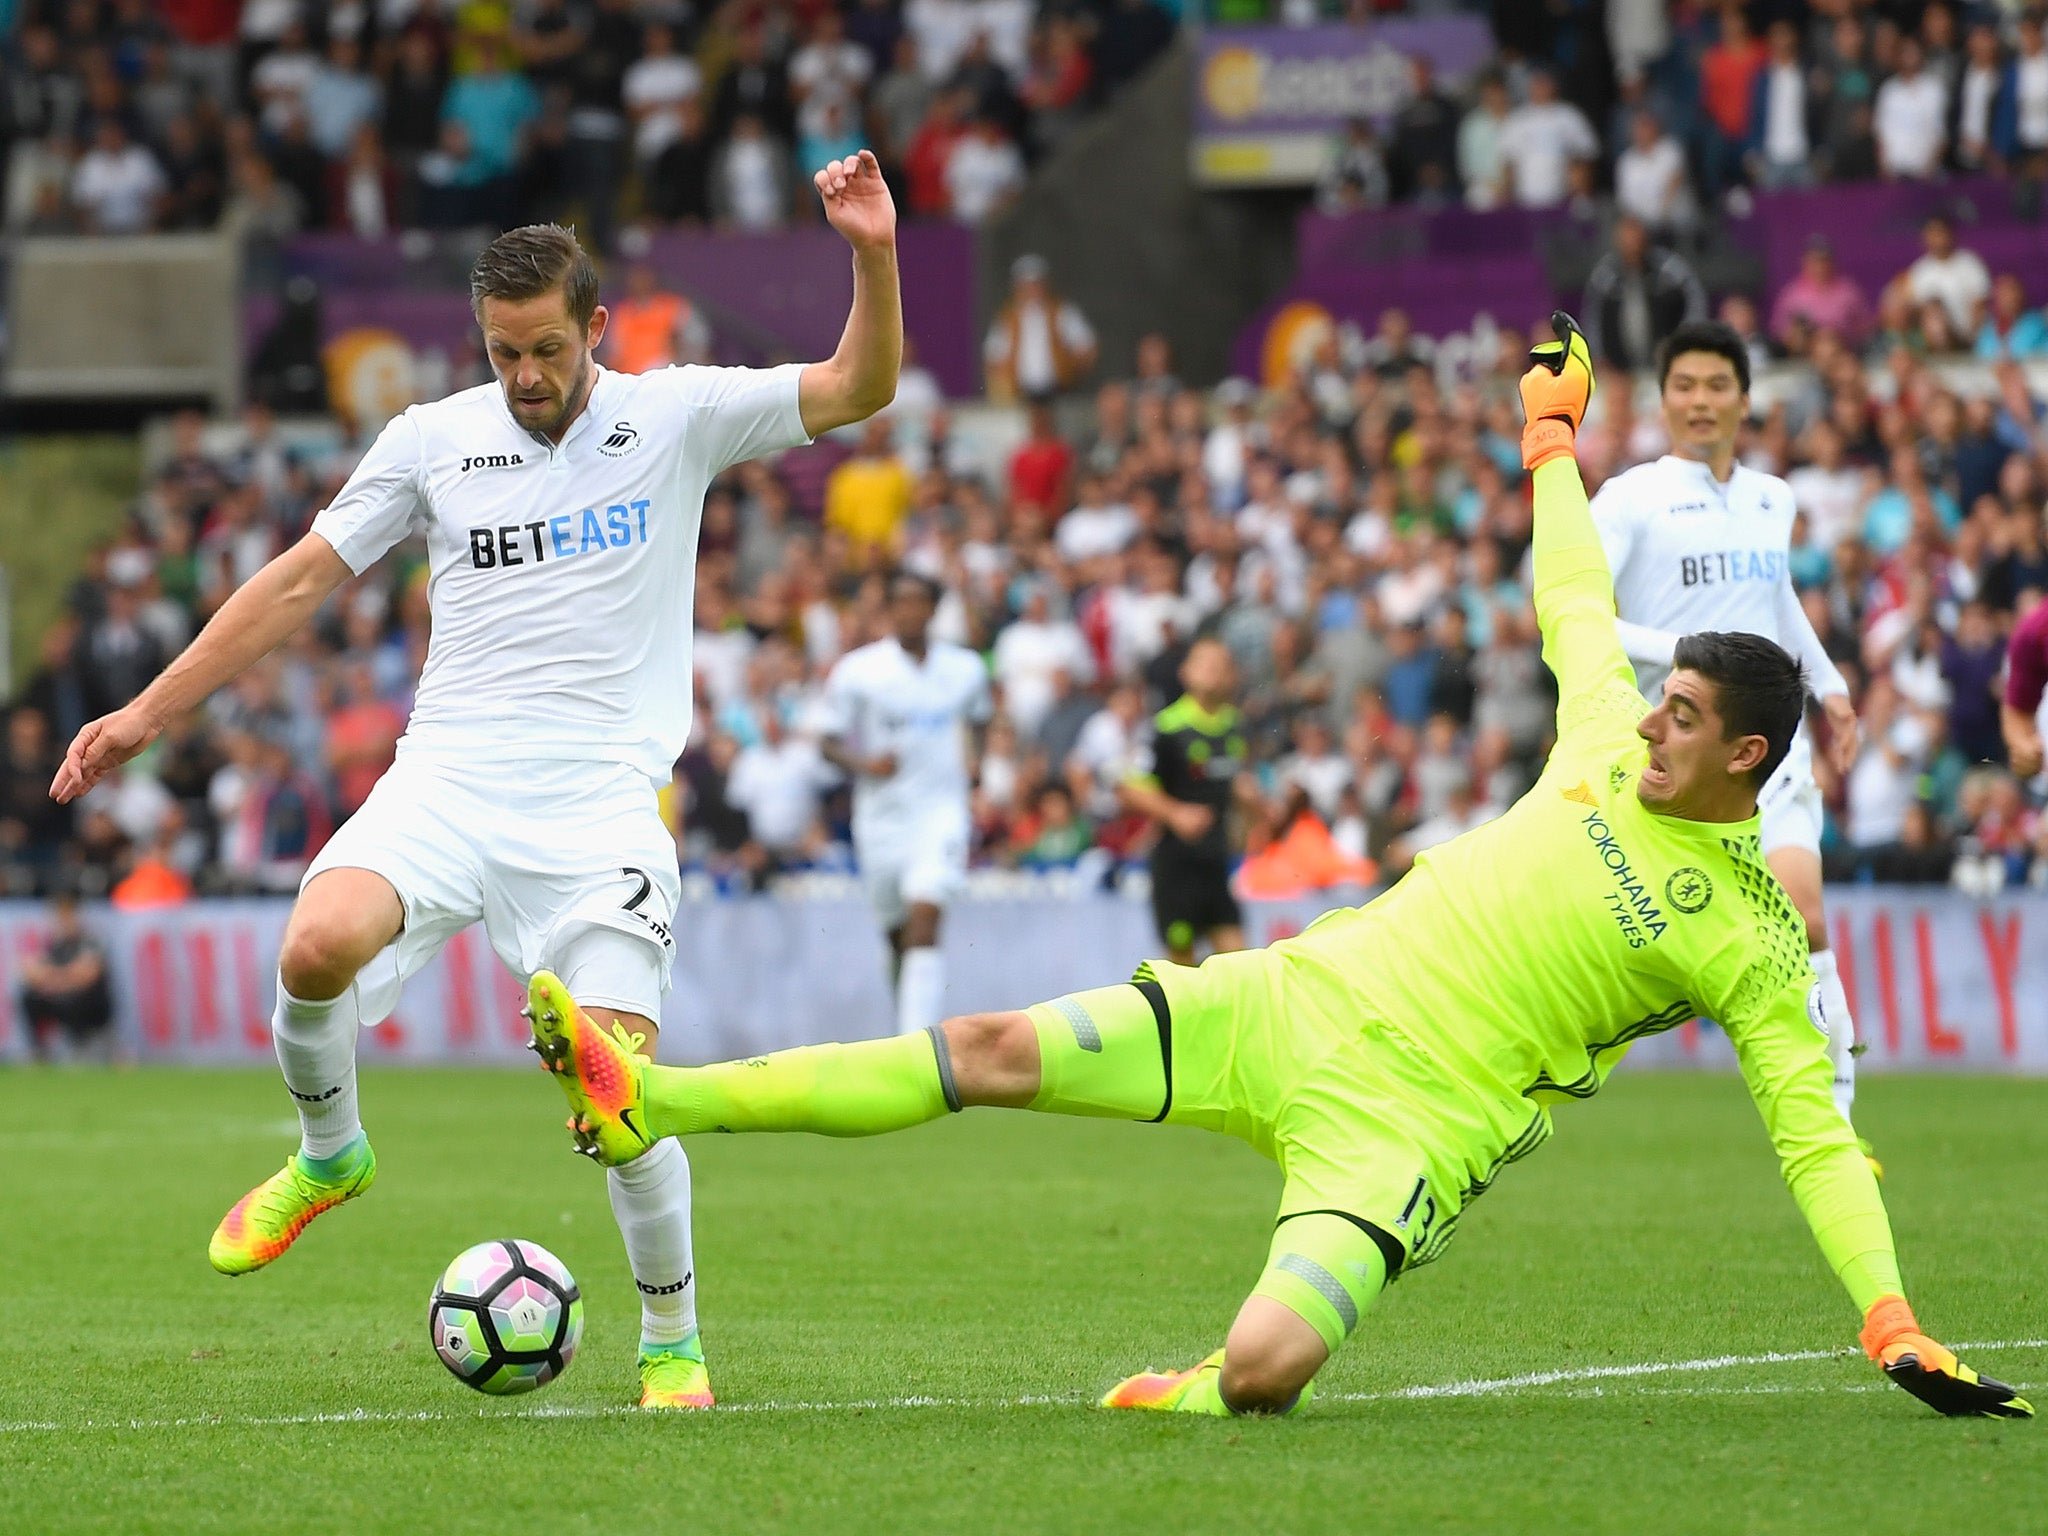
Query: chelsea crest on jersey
x=561, y=576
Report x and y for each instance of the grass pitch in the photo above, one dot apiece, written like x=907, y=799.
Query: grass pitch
x=906, y=1332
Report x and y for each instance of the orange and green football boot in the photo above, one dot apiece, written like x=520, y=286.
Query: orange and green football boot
x=1197, y=1390
x=673, y=1376
x=600, y=1072
x=269, y=1219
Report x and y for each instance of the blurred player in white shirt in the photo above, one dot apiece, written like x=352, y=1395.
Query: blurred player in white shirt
x=560, y=507
x=1696, y=541
x=897, y=717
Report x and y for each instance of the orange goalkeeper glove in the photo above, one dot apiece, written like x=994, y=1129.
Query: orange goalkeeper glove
x=1555, y=392
x=1930, y=1371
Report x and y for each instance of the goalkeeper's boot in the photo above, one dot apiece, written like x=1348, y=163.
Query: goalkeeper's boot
x=1196, y=1390
x=673, y=1375
x=1930, y=1371
x=601, y=1073
x=268, y=1219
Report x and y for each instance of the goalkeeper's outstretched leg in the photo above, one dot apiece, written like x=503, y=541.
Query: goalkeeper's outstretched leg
x=1103, y=1053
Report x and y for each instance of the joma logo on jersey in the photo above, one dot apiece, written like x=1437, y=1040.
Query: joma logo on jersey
x=562, y=537
x=491, y=461
x=1630, y=904
x=1732, y=565
x=620, y=441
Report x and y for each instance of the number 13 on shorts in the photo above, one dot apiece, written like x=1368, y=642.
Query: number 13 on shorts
x=1418, y=1215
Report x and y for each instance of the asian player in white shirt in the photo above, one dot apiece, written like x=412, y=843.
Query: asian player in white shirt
x=1697, y=541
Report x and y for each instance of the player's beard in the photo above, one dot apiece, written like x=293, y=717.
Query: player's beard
x=572, y=401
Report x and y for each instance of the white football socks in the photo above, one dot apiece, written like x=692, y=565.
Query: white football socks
x=316, y=1047
x=920, y=990
x=1841, y=1029
x=651, y=1199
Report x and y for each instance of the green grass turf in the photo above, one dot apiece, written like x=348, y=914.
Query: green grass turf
x=987, y=1259
x=59, y=496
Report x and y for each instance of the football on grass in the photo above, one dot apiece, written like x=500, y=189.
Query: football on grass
x=506, y=1317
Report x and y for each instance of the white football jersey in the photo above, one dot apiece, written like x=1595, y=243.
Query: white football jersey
x=561, y=576
x=879, y=699
x=1689, y=553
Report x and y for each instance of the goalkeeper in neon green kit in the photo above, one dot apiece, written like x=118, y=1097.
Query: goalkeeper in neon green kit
x=1394, y=1058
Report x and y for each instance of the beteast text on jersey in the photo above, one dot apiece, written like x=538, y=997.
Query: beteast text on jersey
x=623, y=523
x=1732, y=565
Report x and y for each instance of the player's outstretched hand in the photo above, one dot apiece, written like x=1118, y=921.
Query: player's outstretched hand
x=1931, y=1371
x=1555, y=392
x=857, y=201
x=101, y=746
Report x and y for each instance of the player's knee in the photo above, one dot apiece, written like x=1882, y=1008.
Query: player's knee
x=1262, y=1381
x=1804, y=891
x=994, y=1056
x=921, y=928
x=322, y=952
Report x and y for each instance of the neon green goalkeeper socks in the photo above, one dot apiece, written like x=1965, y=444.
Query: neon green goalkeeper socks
x=862, y=1089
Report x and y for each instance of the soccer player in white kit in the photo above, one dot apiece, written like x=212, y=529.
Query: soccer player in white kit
x=560, y=508
x=1696, y=541
x=898, y=714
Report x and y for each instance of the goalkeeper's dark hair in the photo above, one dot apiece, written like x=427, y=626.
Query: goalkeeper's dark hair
x=534, y=259
x=1703, y=336
x=1759, y=689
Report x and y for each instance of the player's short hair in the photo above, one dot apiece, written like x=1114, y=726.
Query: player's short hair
x=534, y=259
x=932, y=590
x=1759, y=689
x=1703, y=336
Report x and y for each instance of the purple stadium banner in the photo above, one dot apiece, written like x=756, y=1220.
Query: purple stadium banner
x=1268, y=99
x=1936, y=980
x=1444, y=267
x=767, y=297
x=1874, y=228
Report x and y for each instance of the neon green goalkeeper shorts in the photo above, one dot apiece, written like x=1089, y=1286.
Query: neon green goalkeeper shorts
x=1363, y=1123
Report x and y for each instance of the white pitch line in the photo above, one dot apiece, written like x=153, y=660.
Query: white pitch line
x=1489, y=1386
x=1486, y=1387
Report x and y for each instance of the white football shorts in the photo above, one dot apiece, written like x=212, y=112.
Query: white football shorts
x=904, y=863
x=1790, y=805
x=557, y=859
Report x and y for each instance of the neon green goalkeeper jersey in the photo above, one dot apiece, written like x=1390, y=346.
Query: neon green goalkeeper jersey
x=1528, y=954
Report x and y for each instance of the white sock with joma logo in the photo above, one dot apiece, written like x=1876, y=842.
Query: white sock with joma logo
x=651, y=1199
x=316, y=1047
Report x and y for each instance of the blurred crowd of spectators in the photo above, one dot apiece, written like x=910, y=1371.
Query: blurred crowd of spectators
x=1677, y=105
x=1358, y=538
x=119, y=116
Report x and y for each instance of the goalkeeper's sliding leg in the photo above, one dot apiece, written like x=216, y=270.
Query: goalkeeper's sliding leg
x=1117, y=1052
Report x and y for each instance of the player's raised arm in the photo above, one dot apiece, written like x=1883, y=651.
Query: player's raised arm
x=1782, y=1046
x=859, y=378
x=1574, y=593
x=255, y=619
